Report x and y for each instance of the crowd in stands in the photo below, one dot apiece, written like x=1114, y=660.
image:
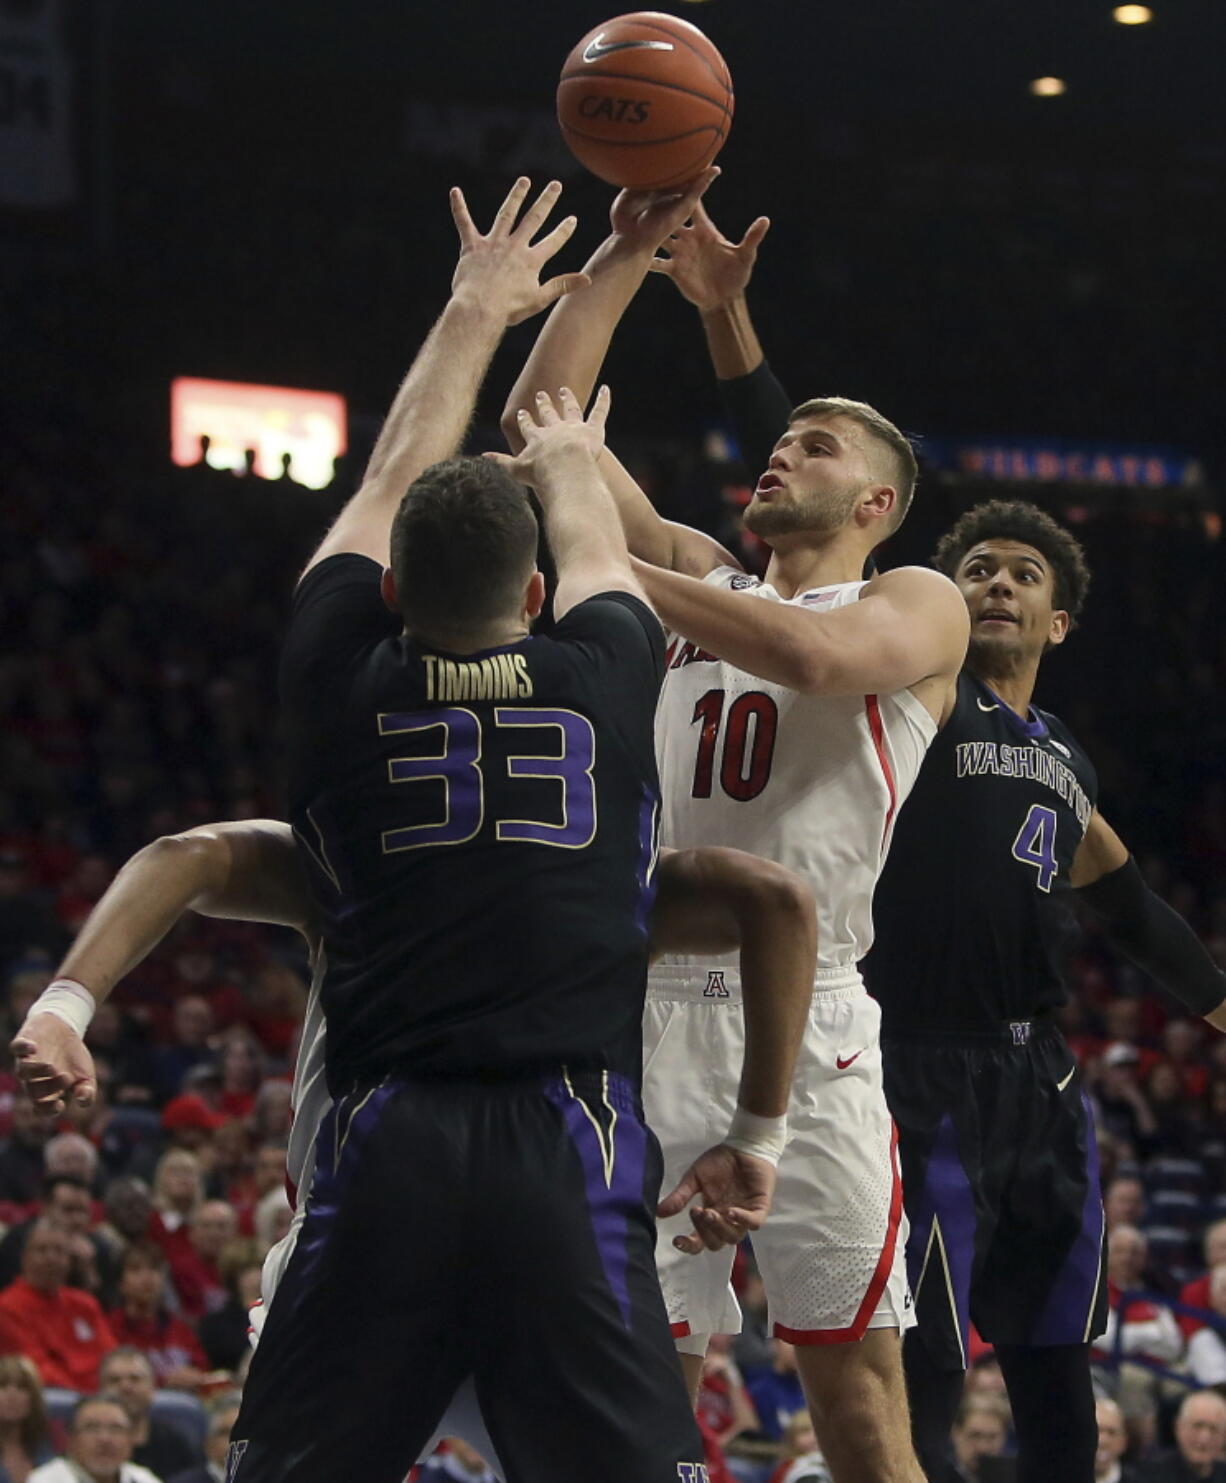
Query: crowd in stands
x=142, y=608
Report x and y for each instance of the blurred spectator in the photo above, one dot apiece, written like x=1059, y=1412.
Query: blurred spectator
x=191, y=1026
x=273, y=1216
x=1207, y=1346
x=1112, y=1444
x=980, y=1431
x=776, y=1392
x=1124, y=1202
x=267, y=1173
x=62, y=1330
x=27, y=922
x=723, y=1401
x=984, y=1377
x=21, y=1156
x=1124, y=1111
x=1196, y=1293
x=128, y=1207
x=224, y=1333
x=190, y=1123
x=127, y=1374
x=222, y=1417
x=1183, y=1042
x=1145, y=1329
x=70, y=1156
x=460, y=1463
x=142, y=1321
x=112, y=1034
x=25, y=1430
x=195, y=1270
x=1200, y=1440
x=751, y=1348
x=66, y=1204
x=273, y=1113
x=1178, y=1127
x=99, y=1448
x=243, y=1069
x=178, y=1188
x=802, y=1459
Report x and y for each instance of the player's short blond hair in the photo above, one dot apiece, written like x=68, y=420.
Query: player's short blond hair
x=906, y=467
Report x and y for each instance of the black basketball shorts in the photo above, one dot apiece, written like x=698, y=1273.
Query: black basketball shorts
x=1000, y=1186
x=501, y=1231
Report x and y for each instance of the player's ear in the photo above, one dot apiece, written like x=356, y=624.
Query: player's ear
x=878, y=502
x=387, y=590
x=534, y=597
x=1060, y=625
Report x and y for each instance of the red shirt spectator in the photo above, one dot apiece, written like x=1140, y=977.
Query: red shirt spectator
x=195, y=1272
x=1196, y=1294
x=60, y=1328
x=142, y=1321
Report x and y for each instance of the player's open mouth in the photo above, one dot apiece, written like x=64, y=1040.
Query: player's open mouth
x=767, y=485
x=997, y=615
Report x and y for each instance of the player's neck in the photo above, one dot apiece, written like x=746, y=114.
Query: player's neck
x=1015, y=686
x=469, y=640
x=803, y=566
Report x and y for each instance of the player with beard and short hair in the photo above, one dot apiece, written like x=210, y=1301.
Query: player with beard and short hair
x=1000, y=1171
x=794, y=717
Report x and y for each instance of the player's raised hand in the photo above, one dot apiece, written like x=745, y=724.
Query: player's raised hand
x=552, y=432
x=53, y=1064
x=735, y=1190
x=707, y=268
x=504, y=266
x=647, y=218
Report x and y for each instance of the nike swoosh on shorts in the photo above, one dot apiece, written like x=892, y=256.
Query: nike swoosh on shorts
x=1064, y=1081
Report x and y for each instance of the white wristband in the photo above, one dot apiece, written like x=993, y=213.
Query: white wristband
x=760, y=1137
x=69, y=1001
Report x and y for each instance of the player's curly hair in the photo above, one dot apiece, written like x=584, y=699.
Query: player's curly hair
x=1019, y=520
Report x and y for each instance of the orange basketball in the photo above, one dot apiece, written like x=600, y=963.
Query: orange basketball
x=645, y=101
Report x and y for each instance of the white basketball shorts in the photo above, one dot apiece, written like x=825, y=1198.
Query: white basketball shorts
x=831, y=1252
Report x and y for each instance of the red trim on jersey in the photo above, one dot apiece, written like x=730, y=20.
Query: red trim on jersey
x=680, y=1330
x=859, y=1325
x=878, y=731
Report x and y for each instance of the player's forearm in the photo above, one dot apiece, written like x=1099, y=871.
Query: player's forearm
x=778, y=954
x=583, y=530
x=732, y=341
x=434, y=405
x=1158, y=940
x=574, y=340
x=144, y=901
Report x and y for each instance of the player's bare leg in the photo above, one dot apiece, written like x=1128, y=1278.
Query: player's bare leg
x=858, y=1402
x=691, y=1368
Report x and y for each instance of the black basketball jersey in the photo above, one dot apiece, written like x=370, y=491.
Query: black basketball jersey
x=970, y=924
x=480, y=831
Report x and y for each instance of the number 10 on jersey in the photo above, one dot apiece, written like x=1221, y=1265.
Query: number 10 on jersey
x=748, y=736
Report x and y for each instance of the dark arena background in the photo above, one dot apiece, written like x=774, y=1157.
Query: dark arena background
x=1003, y=224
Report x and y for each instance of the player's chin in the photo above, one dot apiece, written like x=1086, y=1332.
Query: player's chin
x=994, y=643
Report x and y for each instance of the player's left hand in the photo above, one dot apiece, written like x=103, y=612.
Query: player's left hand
x=645, y=219
x=735, y=1190
x=53, y=1064
x=559, y=429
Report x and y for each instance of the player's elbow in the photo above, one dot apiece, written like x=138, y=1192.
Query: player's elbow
x=198, y=857
x=778, y=897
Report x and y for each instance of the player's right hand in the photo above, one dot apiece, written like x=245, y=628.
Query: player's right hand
x=557, y=432
x=53, y=1064
x=735, y=1189
x=503, y=267
x=708, y=269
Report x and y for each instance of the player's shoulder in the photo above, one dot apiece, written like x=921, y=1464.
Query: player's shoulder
x=615, y=618
x=916, y=586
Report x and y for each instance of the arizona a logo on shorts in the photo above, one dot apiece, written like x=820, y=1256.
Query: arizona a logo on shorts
x=716, y=987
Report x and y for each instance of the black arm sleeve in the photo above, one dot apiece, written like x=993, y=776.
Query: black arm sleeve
x=1156, y=938
x=757, y=407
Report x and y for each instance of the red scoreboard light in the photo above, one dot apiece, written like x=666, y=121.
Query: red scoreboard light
x=310, y=426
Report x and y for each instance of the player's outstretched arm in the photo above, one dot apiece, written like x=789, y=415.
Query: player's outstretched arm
x=496, y=284
x=711, y=900
x=249, y=870
x=571, y=348
x=909, y=625
x=559, y=460
x=1143, y=926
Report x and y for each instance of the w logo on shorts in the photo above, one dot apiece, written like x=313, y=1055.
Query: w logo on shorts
x=692, y=1472
x=234, y=1458
x=716, y=987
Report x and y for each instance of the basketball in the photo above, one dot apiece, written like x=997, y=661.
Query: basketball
x=645, y=101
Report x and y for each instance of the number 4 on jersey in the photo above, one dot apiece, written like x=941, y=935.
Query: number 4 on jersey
x=1036, y=844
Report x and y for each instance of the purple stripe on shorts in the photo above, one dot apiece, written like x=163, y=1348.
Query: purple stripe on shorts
x=610, y=1199
x=1069, y=1304
x=649, y=829
x=946, y=1197
x=345, y=1129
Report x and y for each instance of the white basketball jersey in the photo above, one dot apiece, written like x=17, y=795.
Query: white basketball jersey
x=812, y=782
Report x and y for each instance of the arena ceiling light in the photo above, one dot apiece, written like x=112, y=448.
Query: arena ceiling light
x=1132, y=15
x=1048, y=87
